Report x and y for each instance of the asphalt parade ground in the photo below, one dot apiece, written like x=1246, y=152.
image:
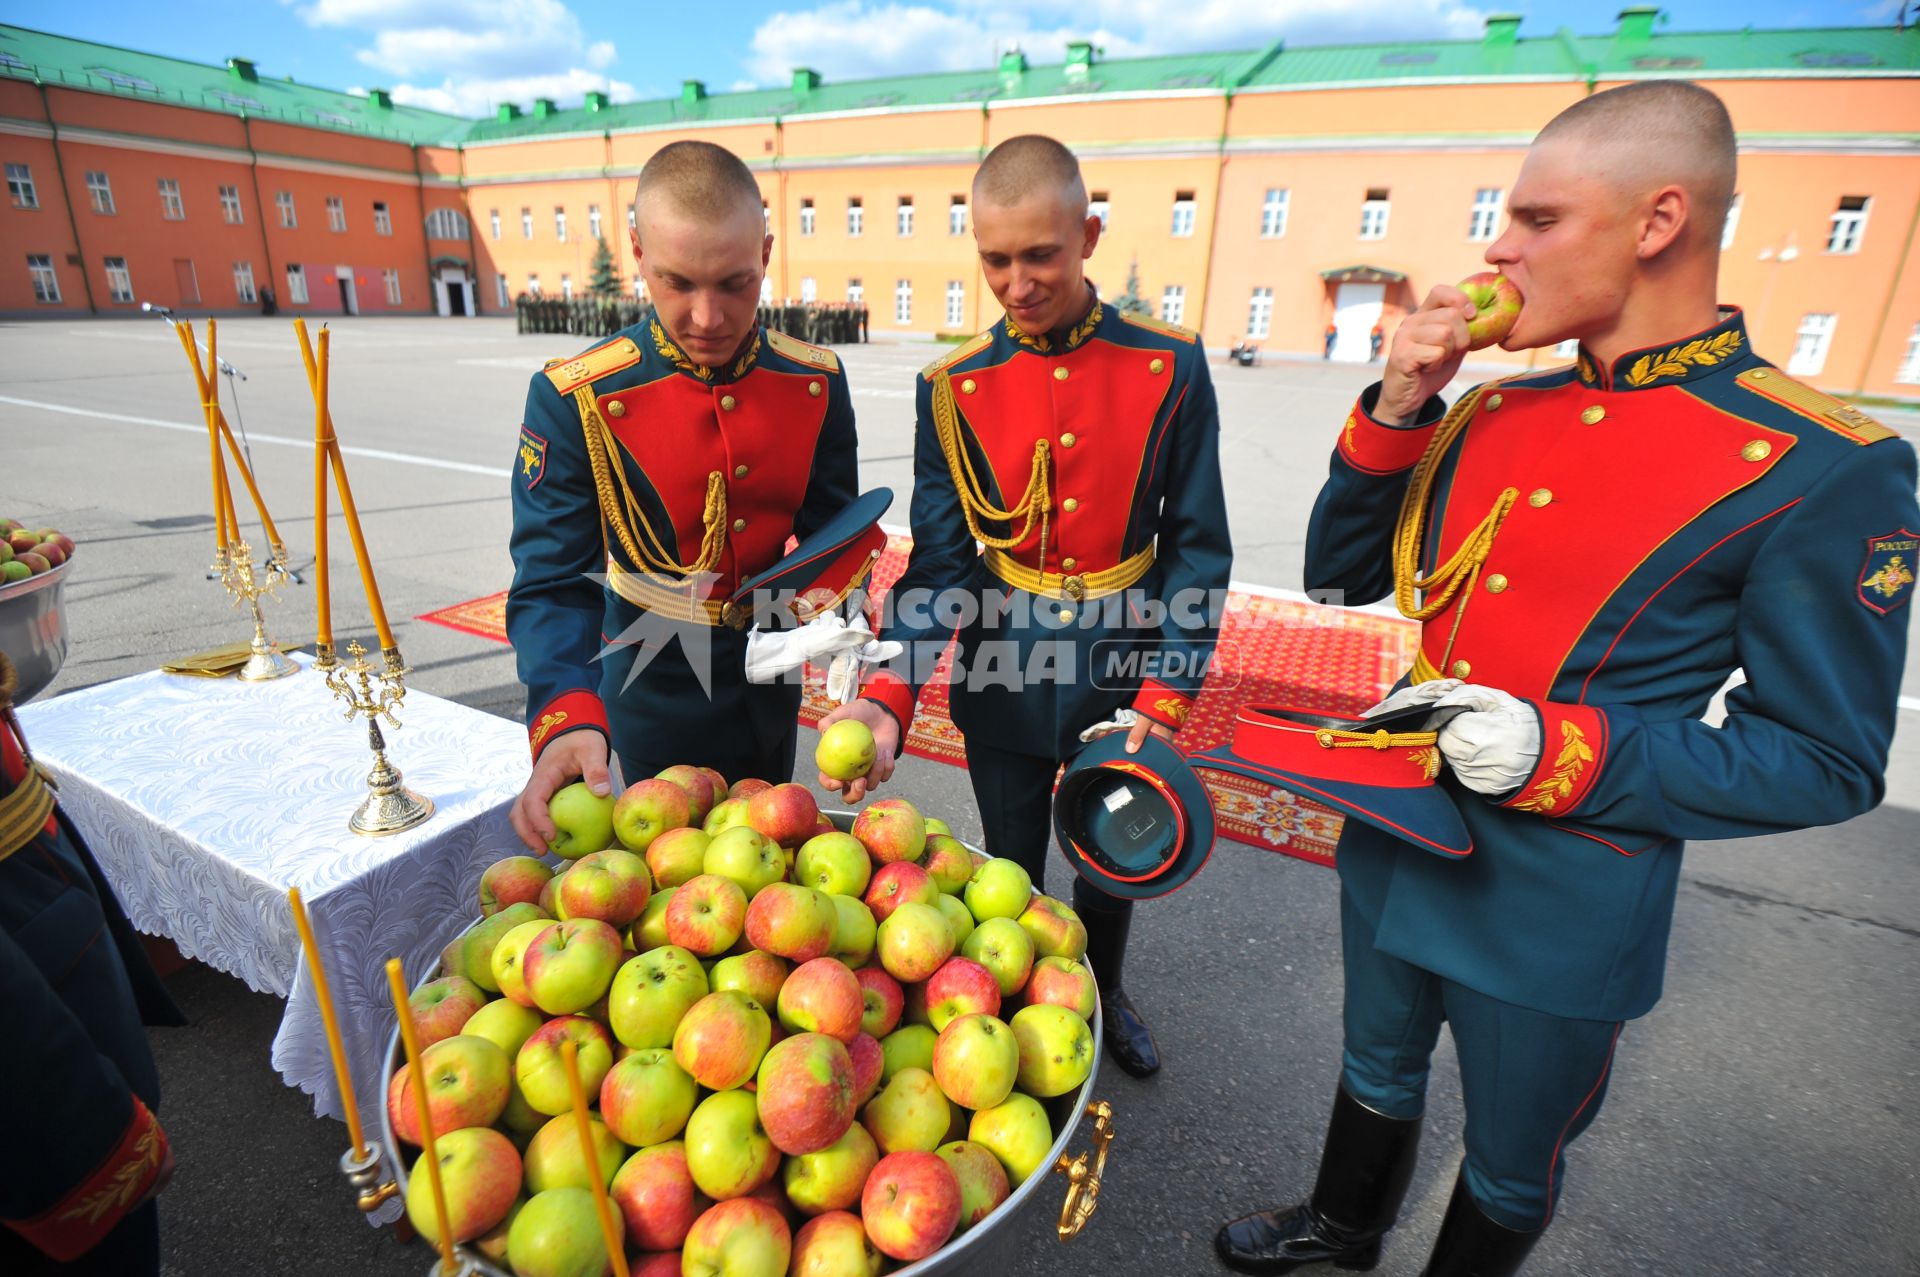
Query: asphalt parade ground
x=1763, y=1119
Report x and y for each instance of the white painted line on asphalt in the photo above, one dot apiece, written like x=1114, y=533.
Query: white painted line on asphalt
x=306, y=445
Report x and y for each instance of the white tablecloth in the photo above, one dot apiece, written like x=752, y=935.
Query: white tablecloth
x=206, y=799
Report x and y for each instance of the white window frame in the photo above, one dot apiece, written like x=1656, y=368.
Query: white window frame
x=526, y=224
x=1173, y=303
x=560, y=223
x=903, y=301
x=1812, y=342
x=957, y=217
x=447, y=224
x=20, y=188
x=493, y=225
x=393, y=285
x=956, y=303
x=1374, y=215
x=172, y=207
x=856, y=293
x=566, y=287
x=1731, y=224
x=1185, y=214
x=856, y=217
x=1273, y=212
x=809, y=290
x=289, y=218
x=593, y=221
x=337, y=214
x=808, y=215
x=46, y=283
x=243, y=286
x=383, y=218
x=903, y=218
x=1848, y=227
x=533, y=285
x=119, y=280
x=1260, y=313
x=1483, y=223
x=502, y=293
x=100, y=193
x=231, y=211
x=297, y=294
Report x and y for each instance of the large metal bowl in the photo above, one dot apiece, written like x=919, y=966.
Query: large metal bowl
x=977, y=1250
x=33, y=629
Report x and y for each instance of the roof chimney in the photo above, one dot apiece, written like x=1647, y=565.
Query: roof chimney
x=242, y=69
x=805, y=79
x=1502, y=29
x=543, y=107
x=380, y=99
x=1013, y=62
x=1636, y=23
x=693, y=90
x=507, y=111
x=596, y=100
x=1080, y=55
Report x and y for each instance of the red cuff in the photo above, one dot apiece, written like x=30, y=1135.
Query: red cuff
x=1163, y=704
x=77, y=1222
x=892, y=692
x=1372, y=448
x=566, y=712
x=1573, y=749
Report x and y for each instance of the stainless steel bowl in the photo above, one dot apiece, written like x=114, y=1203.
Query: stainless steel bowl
x=33, y=629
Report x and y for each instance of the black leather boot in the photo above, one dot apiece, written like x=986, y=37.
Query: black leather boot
x=1364, y=1172
x=1472, y=1245
x=1128, y=1040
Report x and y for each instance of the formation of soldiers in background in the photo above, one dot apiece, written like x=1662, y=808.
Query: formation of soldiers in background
x=821, y=323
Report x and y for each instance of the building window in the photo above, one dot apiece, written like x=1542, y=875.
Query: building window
x=806, y=217
x=1849, y=223
x=1810, y=345
x=903, y=302
x=903, y=217
x=284, y=201
x=382, y=220
x=1097, y=207
x=297, y=284
x=566, y=287
x=957, y=216
x=20, y=186
x=856, y=293
x=393, y=286
x=119, y=282
x=336, y=214
x=856, y=217
x=956, y=303
x=766, y=219
x=1373, y=214
x=46, y=287
x=171, y=206
x=1273, y=213
x=593, y=220
x=230, y=206
x=766, y=290
x=1182, y=214
x=446, y=223
x=809, y=290
x=1173, y=304
x=632, y=218
x=243, y=282
x=493, y=226
x=100, y=192
x=640, y=289
x=533, y=285
x=1909, y=373
x=1485, y=219
x=1733, y=220
x=560, y=224
x=500, y=292
x=1260, y=313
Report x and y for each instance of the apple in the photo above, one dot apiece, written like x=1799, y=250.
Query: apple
x=22, y=541
x=492, y=1244
x=468, y=1079
x=555, y=1158
x=869, y=1062
x=728, y=1152
x=948, y=863
x=509, y=958
x=648, y=809
x=891, y=829
x=471, y=952
x=999, y=945
x=1054, y=928
x=937, y=826
x=707, y=914
x=955, y=912
x=720, y=788
x=913, y=942
x=699, y=786
x=728, y=813
x=976, y=1061
x=505, y=1023
x=835, y=863
x=960, y=987
x=983, y=1181
x=792, y=922
x=831, y=1178
x=822, y=996
x=740, y=1238
x=441, y=1007
x=657, y=1196
x=881, y=1001
x=1496, y=302
x=515, y=880
x=747, y=857
x=548, y=893
x=721, y=1040
x=785, y=813
x=479, y=1177
x=845, y=750
x=583, y=821
x=14, y=570
x=911, y=1204
x=650, y=994
x=748, y=786
x=35, y=562
x=570, y=965
x=650, y=932
x=647, y=1097
x=654, y=1263
x=908, y=1047
x=835, y=1245
x=1017, y=1132
x=1056, y=1049
x=805, y=1090
x=893, y=885
x=51, y=552
x=557, y=1234
x=541, y=1072
x=1001, y=888
x=610, y=885
x=677, y=855
x=909, y=1113
x=854, y=931
x=520, y=1119
x=756, y=974
x=823, y=824
x=1062, y=982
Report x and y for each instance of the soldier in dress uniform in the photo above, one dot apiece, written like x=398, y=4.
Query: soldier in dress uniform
x=1080, y=446
x=1592, y=551
x=654, y=473
x=86, y=1155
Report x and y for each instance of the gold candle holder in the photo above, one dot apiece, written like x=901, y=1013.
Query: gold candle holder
x=390, y=806
x=249, y=585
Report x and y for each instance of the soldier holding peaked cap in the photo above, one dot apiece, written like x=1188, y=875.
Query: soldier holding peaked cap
x=1592, y=552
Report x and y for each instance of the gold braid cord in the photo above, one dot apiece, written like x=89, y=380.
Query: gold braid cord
x=1035, y=503
x=622, y=511
x=1463, y=568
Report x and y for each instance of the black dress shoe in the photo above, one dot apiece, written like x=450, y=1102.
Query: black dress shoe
x=1128, y=1039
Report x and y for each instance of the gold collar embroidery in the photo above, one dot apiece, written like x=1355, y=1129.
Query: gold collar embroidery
x=1076, y=336
x=667, y=350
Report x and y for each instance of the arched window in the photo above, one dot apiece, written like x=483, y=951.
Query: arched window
x=446, y=223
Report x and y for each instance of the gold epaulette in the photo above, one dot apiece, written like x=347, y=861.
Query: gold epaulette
x=803, y=352
x=972, y=346
x=584, y=370
x=1160, y=326
x=1836, y=415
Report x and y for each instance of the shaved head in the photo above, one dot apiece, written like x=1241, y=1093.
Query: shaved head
x=698, y=180
x=1641, y=137
x=1028, y=165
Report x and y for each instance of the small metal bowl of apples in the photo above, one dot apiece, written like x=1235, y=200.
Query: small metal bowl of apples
x=33, y=614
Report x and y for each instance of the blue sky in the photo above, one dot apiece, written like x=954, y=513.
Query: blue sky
x=466, y=55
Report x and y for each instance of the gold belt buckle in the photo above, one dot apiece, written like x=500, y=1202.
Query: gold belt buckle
x=733, y=616
x=1075, y=587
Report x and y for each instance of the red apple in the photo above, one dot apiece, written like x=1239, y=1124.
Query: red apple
x=915, y=940
x=468, y=1080
x=677, y=856
x=835, y=1245
x=785, y=813
x=854, y=930
x=948, y=863
x=911, y=1204
x=756, y=974
x=1054, y=928
x=881, y=1001
x=657, y=1195
x=792, y=922
x=51, y=552
x=515, y=880
x=869, y=1062
x=805, y=1091
x=721, y=1039
x=748, y=786
x=611, y=885
x=1496, y=303
x=646, y=1097
x=706, y=915
x=648, y=809
x=441, y=1008
x=892, y=829
x=740, y=1238
x=479, y=1177
x=982, y=1180
x=555, y=1158
x=822, y=996
x=960, y=987
x=893, y=885
x=1062, y=982
x=699, y=787
x=655, y=1263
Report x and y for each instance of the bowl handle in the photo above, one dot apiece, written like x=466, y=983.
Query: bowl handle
x=1083, y=1182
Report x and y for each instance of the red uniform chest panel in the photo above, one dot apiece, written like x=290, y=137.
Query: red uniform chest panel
x=1099, y=422
x=758, y=433
x=1596, y=498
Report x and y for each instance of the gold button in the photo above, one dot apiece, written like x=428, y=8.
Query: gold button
x=616, y=409
x=1070, y=505
x=966, y=387
x=1496, y=583
x=1060, y=374
x=739, y=472
x=813, y=388
x=1068, y=439
x=1461, y=669
x=1494, y=402
x=1760, y=374
x=739, y=525
x=1540, y=497
x=1157, y=366
x=1593, y=415
x=1066, y=614
x=1758, y=450
x=727, y=403
x=1069, y=564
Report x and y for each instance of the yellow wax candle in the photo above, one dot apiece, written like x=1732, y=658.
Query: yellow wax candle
x=316, y=374
x=323, y=589
x=184, y=331
x=317, y=970
x=609, y=1232
x=429, y=1155
x=210, y=399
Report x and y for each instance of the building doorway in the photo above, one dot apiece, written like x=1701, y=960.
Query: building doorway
x=1356, y=309
x=349, y=300
x=452, y=292
x=187, y=280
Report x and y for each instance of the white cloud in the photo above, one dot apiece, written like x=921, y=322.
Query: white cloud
x=471, y=97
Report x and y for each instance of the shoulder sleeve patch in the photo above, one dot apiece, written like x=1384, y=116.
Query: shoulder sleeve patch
x=1160, y=326
x=595, y=364
x=965, y=350
x=803, y=352
x=1886, y=578
x=531, y=459
x=1836, y=415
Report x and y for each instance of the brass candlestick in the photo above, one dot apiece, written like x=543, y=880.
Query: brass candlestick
x=249, y=586
x=389, y=807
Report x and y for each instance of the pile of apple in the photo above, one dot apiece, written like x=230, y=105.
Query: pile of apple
x=808, y=1051
x=24, y=553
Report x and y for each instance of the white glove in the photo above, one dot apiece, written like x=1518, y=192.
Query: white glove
x=1414, y=694
x=844, y=648
x=1122, y=721
x=1493, y=747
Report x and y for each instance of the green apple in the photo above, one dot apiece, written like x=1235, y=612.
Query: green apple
x=758, y=975
x=540, y=1070
x=998, y=889
x=958, y=918
x=583, y=821
x=647, y=1097
x=651, y=993
x=947, y=863
x=556, y=1160
x=508, y=961
x=913, y=941
x=999, y=945
x=977, y=1060
x=909, y=1113
x=854, y=932
x=677, y=855
x=650, y=932
x=745, y=1237
x=746, y=857
x=835, y=863
x=479, y=1178
x=557, y=1234
x=983, y=1181
x=908, y=1047
x=1056, y=1049
x=1054, y=928
x=570, y=965
x=505, y=1023
x=728, y=1152
x=471, y=952
x=1017, y=1132
x=846, y=750
x=831, y=1178
x=937, y=826
x=726, y=814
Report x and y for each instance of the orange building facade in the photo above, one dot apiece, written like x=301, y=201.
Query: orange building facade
x=1283, y=197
